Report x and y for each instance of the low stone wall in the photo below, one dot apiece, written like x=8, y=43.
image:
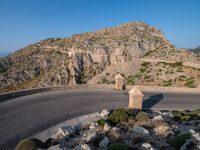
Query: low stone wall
x=15, y=94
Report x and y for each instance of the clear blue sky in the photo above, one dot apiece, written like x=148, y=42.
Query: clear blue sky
x=23, y=22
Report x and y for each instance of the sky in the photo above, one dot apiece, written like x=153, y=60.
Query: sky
x=24, y=22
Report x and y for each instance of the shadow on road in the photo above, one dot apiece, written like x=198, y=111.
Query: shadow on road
x=152, y=100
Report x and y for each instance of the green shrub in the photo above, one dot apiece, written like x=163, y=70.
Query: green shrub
x=2, y=70
x=190, y=83
x=176, y=64
x=167, y=83
x=179, y=140
x=142, y=70
x=30, y=144
x=105, y=81
x=118, y=116
x=101, y=122
x=185, y=115
x=120, y=147
x=130, y=80
x=145, y=64
x=142, y=117
x=147, y=53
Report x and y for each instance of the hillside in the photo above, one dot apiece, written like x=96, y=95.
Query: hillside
x=93, y=57
x=4, y=54
x=196, y=50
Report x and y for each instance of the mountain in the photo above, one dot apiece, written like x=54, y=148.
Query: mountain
x=196, y=50
x=4, y=54
x=92, y=57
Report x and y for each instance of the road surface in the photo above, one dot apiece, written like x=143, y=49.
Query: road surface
x=24, y=116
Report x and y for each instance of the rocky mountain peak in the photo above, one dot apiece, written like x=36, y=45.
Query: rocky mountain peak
x=82, y=57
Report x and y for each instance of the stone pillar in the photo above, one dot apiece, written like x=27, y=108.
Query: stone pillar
x=119, y=82
x=135, y=98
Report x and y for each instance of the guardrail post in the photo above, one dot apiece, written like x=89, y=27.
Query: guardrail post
x=135, y=98
x=119, y=82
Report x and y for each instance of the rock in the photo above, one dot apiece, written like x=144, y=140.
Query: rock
x=104, y=113
x=104, y=142
x=91, y=136
x=158, y=118
x=147, y=146
x=82, y=147
x=93, y=126
x=141, y=130
x=192, y=144
x=106, y=127
x=55, y=147
x=66, y=131
x=114, y=132
x=162, y=129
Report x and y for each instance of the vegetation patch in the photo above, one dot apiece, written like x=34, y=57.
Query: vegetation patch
x=101, y=122
x=30, y=144
x=179, y=140
x=120, y=147
x=142, y=117
x=2, y=70
x=130, y=80
x=190, y=83
x=118, y=116
x=167, y=83
x=145, y=64
x=186, y=115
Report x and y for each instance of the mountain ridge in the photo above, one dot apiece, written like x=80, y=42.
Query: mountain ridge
x=86, y=57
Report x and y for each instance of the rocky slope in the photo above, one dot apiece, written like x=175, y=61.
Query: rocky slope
x=123, y=129
x=197, y=50
x=87, y=57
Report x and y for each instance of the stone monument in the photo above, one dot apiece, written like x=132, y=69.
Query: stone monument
x=135, y=98
x=119, y=82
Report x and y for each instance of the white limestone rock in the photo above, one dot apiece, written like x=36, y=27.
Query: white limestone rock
x=66, y=131
x=82, y=147
x=104, y=113
x=106, y=127
x=162, y=129
x=94, y=126
x=147, y=146
x=158, y=118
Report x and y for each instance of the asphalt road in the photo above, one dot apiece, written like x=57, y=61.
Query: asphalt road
x=24, y=116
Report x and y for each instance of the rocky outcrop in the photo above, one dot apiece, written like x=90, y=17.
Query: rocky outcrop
x=163, y=130
x=81, y=58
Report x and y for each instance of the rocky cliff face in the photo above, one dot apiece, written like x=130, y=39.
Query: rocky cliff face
x=81, y=58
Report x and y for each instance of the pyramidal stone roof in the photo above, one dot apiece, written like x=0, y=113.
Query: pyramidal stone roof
x=135, y=91
x=119, y=76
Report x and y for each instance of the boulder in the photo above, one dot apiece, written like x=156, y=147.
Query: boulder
x=162, y=129
x=104, y=142
x=104, y=113
x=158, y=118
x=141, y=130
x=93, y=126
x=147, y=146
x=55, y=147
x=91, y=136
x=66, y=131
x=82, y=147
x=106, y=127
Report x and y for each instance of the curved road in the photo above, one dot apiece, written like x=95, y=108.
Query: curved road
x=25, y=116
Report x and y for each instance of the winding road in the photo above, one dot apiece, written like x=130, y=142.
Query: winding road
x=24, y=116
